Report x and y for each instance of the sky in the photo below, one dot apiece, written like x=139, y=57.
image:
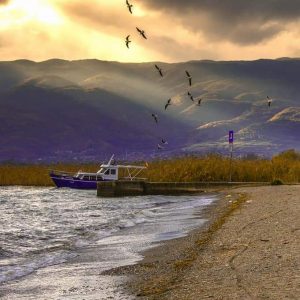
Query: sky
x=176, y=30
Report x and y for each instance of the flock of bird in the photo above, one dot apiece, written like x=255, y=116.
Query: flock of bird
x=161, y=73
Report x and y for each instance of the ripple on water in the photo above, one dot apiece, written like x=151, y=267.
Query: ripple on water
x=45, y=226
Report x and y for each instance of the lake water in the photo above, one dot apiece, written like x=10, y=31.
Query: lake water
x=54, y=243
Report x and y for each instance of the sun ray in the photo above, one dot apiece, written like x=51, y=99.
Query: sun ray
x=20, y=11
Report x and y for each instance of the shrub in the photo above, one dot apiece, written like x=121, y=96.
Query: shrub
x=276, y=182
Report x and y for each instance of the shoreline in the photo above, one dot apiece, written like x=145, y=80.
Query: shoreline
x=157, y=260
x=226, y=259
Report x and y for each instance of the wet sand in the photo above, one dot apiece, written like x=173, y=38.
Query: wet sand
x=249, y=250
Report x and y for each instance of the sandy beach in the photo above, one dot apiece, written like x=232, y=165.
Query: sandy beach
x=249, y=250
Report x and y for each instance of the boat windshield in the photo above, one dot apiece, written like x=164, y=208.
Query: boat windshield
x=101, y=171
x=77, y=174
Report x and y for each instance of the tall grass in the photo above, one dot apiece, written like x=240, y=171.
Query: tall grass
x=216, y=168
x=284, y=167
x=37, y=175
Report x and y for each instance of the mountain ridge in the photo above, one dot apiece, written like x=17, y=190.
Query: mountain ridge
x=113, y=103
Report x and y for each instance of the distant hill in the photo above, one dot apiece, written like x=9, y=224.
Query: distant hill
x=85, y=110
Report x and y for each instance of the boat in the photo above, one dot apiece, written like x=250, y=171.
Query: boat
x=88, y=181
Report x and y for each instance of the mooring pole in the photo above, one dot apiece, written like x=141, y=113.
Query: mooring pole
x=230, y=168
x=230, y=140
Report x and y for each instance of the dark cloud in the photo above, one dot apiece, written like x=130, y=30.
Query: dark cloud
x=3, y=2
x=242, y=22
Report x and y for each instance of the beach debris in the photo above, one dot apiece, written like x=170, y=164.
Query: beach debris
x=127, y=41
x=168, y=103
x=228, y=196
x=129, y=6
x=155, y=117
x=189, y=77
x=265, y=240
x=159, y=70
x=141, y=32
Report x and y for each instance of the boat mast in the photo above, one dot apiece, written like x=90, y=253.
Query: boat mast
x=111, y=159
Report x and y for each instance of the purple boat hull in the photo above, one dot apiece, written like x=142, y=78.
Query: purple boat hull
x=73, y=182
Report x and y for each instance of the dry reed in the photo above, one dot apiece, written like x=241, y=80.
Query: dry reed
x=284, y=167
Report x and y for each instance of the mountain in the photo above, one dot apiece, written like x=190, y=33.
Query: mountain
x=60, y=110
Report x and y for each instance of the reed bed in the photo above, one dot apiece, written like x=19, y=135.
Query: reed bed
x=284, y=167
x=217, y=168
x=37, y=175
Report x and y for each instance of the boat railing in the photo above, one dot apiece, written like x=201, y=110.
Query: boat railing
x=63, y=173
x=132, y=178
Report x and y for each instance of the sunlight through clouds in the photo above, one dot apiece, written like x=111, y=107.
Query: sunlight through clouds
x=18, y=11
x=44, y=29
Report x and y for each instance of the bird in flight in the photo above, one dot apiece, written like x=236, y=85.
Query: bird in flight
x=141, y=32
x=199, y=102
x=269, y=101
x=129, y=6
x=191, y=96
x=159, y=70
x=189, y=77
x=167, y=104
x=155, y=117
x=127, y=41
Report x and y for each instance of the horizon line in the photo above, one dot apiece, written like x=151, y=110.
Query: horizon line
x=148, y=62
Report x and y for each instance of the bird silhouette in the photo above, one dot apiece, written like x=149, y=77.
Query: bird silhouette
x=269, y=101
x=164, y=141
x=167, y=104
x=199, y=102
x=159, y=70
x=189, y=77
x=191, y=96
x=155, y=117
x=129, y=6
x=127, y=41
x=141, y=32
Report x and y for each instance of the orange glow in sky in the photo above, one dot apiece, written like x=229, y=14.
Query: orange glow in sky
x=44, y=29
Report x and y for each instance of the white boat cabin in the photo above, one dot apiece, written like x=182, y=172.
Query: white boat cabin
x=110, y=172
